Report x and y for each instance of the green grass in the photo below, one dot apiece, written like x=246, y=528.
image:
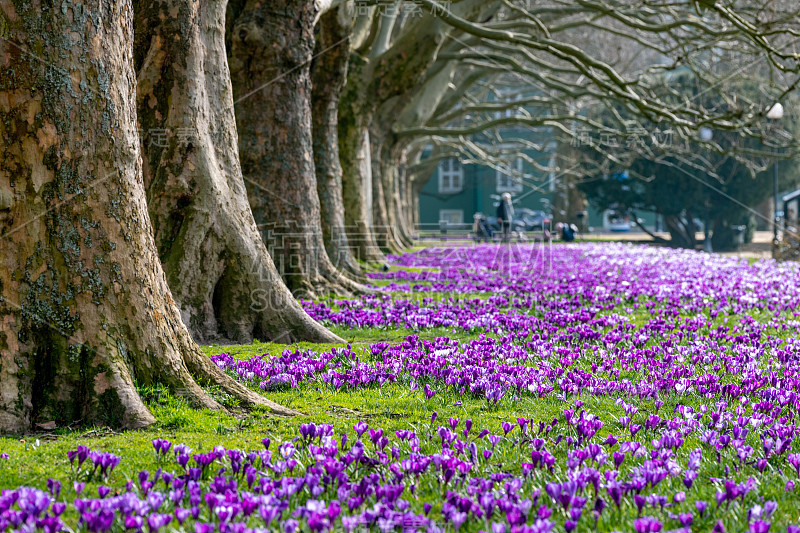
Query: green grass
x=36, y=457
x=357, y=338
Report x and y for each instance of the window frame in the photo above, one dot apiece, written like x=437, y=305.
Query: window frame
x=458, y=212
x=514, y=185
x=452, y=175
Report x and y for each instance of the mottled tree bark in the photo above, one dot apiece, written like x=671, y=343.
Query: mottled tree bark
x=412, y=108
x=86, y=310
x=388, y=161
x=393, y=70
x=384, y=169
x=354, y=119
x=220, y=272
x=328, y=76
x=271, y=45
x=380, y=216
x=402, y=204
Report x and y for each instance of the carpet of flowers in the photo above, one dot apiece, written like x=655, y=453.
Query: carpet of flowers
x=675, y=376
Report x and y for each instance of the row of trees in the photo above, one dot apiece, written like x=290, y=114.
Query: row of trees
x=172, y=171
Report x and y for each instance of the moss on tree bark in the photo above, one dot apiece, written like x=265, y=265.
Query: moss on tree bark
x=85, y=310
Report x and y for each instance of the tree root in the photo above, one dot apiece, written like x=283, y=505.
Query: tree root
x=204, y=369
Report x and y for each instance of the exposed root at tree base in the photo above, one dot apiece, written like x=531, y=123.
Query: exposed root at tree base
x=331, y=284
x=203, y=368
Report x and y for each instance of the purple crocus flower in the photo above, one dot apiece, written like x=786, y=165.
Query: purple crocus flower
x=701, y=507
x=647, y=524
x=54, y=487
x=161, y=446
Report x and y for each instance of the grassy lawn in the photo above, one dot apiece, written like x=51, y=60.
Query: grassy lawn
x=404, y=404
x=37, y=457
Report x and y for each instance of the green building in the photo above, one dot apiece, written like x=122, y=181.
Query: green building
x=456, y=191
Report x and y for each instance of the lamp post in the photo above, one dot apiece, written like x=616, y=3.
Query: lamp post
x=775, y=113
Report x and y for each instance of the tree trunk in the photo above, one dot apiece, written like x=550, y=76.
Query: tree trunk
x=642, y=227
x=384, y=176
x=86, y=310
x=681, y=235
x=354, y=157
x=395, y=189
x=414, y=108
x=393, y=70
x=402, y=204
x=381, y=225
x=270, y=53
x=723, y=238
x=220, y=272
x=568, y=200
x=328, y=76
x=412, y=209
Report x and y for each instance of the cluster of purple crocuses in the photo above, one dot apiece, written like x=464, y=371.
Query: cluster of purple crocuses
x=690, y=347
x=436, y=477
x=100, y=463
x=654, y=390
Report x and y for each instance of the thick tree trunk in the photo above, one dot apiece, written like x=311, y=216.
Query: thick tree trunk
x=410, y=200
x=220, y=272
x=271, y=45
x=355, y=160
x=725, y=238
x=392, y=71
x=413, y=196
x=384, y=170
x=328, y=76
x=86, y=310
x=414, y=108
x=394, y=188
x=380, y=215
x=402, y=204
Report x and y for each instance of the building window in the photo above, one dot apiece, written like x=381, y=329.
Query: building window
x=451, y=176
x=510, y=179
x=451, y=216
